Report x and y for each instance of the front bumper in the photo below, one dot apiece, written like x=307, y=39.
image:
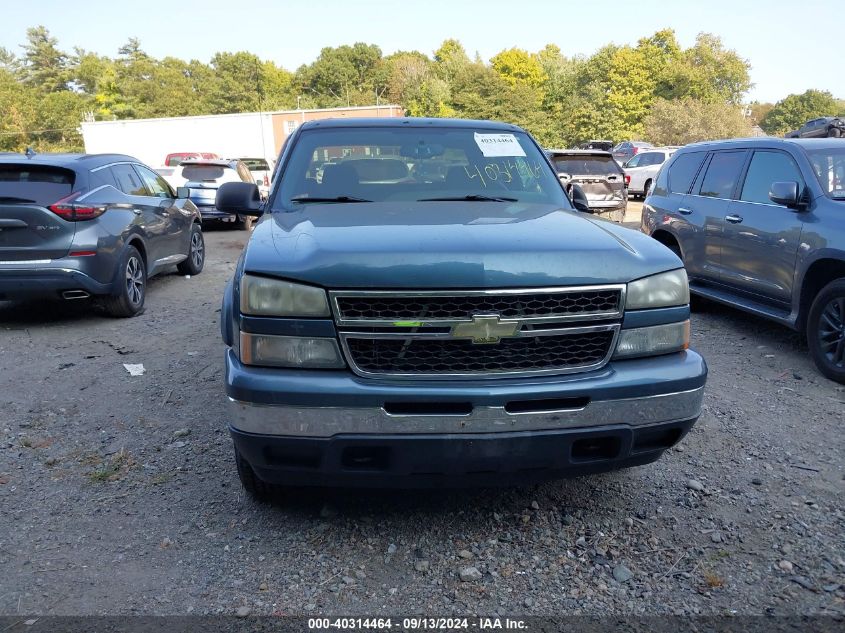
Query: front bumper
x=335, y=429
x=211, y=213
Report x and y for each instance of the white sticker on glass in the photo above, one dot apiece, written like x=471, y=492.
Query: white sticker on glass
x=498, y=145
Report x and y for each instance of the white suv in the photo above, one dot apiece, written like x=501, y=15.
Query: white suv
x=641, y=170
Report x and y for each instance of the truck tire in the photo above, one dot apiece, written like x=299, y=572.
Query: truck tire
x=834, y=132
x=826, y=330
x=196, y=253
x=244, y=222
x=130, y=286
x=257, y=489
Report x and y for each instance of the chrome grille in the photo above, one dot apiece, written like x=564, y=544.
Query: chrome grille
x=439, y=356
x=443, y=334
x=550, y=304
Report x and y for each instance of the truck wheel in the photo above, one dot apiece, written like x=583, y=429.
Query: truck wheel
x=257, y=489
x=834, y=132
x=130, y=286
x=826, y=330
x=196, y=253
x=646, y=188
x=244, y=222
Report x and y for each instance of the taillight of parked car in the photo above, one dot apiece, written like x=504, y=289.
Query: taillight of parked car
x=627, y=180
x=71, y=211
x=634, y=150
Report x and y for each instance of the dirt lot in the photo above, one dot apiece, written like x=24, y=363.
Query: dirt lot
x=119, y=493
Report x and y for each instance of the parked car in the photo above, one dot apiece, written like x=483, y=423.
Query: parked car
x=172, y=160
x=204, y=177
x=605, y=146
x=642, y=169
x=446, y=332
x=74, y=226
x=262, y=173
x=826, y=126
x=599, y=177
x=623, y=151
x=760, y=225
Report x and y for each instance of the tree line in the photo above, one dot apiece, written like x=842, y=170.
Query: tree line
x=656, y=90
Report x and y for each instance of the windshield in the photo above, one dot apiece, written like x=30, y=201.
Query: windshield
x=829, y=165
x=387, y=164
x=586, y=165
x=209, y=173
x=29, y=183
x=256, y=164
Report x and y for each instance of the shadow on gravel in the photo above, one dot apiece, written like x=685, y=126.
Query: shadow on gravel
x=759, y=329
x=354, y=504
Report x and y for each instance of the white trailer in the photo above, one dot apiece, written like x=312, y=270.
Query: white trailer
x=151, y=140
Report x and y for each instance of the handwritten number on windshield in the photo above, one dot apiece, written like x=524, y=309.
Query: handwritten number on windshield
x=503, y=171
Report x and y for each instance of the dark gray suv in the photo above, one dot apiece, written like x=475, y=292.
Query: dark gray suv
x=74, y=226
x=760, y=225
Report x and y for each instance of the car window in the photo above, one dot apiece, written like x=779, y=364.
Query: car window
x=636, y=161
x=101, y=177
x=722, y=174
x=829, y=167
x=764, y=169
x=209, y=173
x=42, y=185
x=586, y=165
x=128, y=180
x=256, y=164
x=683, y=170
x=155, y=183
x=420, y=164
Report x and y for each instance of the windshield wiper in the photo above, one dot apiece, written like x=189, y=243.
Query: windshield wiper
x=308, y=199
x=14, y=199
x=470, y=198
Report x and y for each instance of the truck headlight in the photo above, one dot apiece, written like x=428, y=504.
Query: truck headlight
x=658, y=291
x=263, y=296
x=290, y=351
x=654, y=340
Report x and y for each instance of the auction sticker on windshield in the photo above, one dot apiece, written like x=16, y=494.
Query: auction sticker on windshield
x=498, y=145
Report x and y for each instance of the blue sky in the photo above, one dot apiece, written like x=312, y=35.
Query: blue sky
x=792, y=46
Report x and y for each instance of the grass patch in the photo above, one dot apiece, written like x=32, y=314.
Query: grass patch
x=113, y=469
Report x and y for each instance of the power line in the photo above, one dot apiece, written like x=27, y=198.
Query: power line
x=58, y=129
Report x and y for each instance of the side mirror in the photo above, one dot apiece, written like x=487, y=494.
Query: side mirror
x=579, y=199
x=240, y=198
x=785, y=193
x=183, y=192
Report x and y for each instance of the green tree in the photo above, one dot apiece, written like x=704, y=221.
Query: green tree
x=795, y=110
x=707, y=71
x=689, y=120
x=342, y=76
x=450, y=60
x=44, y=65
x=518, y=66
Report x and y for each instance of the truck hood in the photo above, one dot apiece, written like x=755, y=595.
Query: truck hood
x=449, y=245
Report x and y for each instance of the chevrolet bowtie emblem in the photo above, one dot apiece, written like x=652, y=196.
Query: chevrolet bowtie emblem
x=486, y=328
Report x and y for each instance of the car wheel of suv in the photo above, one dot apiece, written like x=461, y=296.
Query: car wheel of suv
x=258, y=489
x=196, y=253
x=130, y=286
x=834, y=132
x=646, y=188
x=826, y=330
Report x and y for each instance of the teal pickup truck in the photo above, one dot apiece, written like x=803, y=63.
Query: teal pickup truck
x=421, y=304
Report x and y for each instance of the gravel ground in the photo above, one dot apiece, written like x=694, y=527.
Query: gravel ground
x=119, y=493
